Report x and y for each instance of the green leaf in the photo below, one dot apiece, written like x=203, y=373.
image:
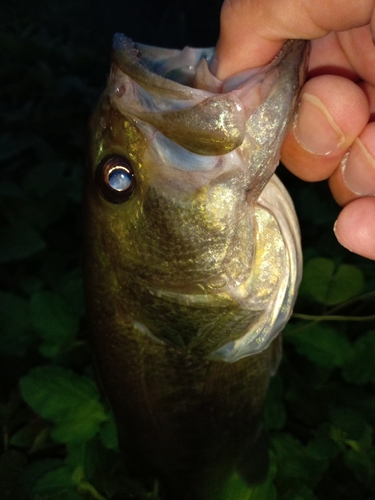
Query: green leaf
x=59, y=494
x=69, y=400
x=322, y=448
x=57, y=484
x=82, y=458
x=108, y=434
x=76, y=455
x=19, y=242
x=330, y=285
x=236, y=488
x=53, y=321
x=362, y=463
x=71, y=288
x=352, y=424
x=321, y=345
x=43, y=178
x=316, y=278
x=300, y=492
x=354, y=436
x=37, y=470
x=359, y=368
x=15, y=322
x=75, y=189
x=274, y=411
x=12, y=468
x=347, y=282
x=295, y=462
x=60, y=478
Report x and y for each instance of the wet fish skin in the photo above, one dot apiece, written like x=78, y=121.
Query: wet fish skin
x=190, y=280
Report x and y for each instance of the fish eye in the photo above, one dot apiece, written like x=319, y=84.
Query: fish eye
x=115, y=178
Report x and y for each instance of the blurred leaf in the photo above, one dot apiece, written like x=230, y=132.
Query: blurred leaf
x=44, y=178
x=317, y=277
x=34, y=436
x=82, y=458
x=11, y=147
x=37, y=470
x=75, y=190
x=60, y=478
x=359, y=367
x=300, y=492
x=322, y=448
x=10, y=190
x=330, y=285
x=347, y=282
x=19, y=242
x=12, y=468
x=294, y=462
x=42, y=213
x=362, y=463
x=355, y=437
x=71, y=288
x=31, y=284
x=352, y=424
x=274, y=411
x=16, y=325
x=108, y=434
x=321, y=345
x=69, y=400
x=53, y=321
x=236, y=488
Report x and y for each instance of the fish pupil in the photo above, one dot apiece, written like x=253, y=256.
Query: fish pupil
x=115, y=179
x=120, y=179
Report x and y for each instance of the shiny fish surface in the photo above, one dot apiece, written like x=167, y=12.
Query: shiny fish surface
x=192, y=259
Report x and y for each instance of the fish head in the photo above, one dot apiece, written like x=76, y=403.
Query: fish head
x=194, y=235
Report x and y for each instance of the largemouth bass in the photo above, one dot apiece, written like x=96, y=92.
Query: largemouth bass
x=192, y=257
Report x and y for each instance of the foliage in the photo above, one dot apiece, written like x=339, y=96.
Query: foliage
x=59, y=439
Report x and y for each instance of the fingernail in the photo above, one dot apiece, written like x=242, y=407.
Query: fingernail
x=339, y=239
x=314, y=128
x=358, y=170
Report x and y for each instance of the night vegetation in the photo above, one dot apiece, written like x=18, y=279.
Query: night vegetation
x=58, y=439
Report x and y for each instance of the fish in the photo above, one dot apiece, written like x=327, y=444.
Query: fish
x=192, y=259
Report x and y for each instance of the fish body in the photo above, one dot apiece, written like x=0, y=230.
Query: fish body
x=192, y=257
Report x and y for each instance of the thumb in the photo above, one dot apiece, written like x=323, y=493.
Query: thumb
x=253, y=31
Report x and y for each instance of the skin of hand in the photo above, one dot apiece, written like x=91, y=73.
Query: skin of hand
x=333, y=136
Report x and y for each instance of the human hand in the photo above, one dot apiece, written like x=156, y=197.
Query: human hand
x=333, y=136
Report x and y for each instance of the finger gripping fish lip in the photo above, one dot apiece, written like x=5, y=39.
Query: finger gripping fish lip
x=216, y=122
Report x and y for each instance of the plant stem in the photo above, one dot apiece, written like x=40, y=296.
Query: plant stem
x=326, y=317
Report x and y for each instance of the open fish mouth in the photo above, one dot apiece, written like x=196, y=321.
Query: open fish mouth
x=206, y=207
x=174, y=91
